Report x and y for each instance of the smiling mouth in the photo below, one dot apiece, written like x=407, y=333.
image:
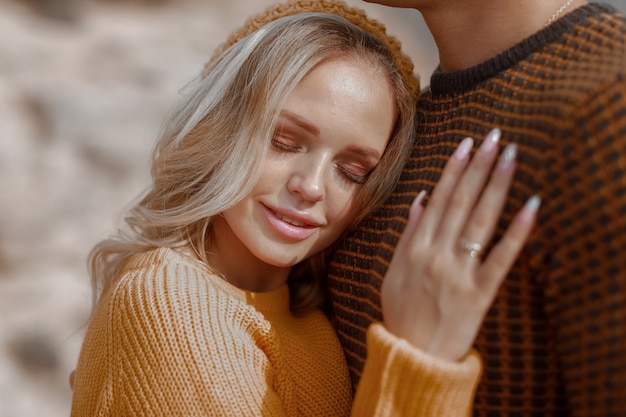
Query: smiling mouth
x=291, y=221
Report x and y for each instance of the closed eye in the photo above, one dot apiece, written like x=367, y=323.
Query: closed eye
x=354, y=174
x=285, y=144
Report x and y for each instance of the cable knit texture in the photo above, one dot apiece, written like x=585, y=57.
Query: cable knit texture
x=173, y=339
x=337, y=7
x=554, y=342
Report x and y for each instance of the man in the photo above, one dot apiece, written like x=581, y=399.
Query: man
x=551, y=74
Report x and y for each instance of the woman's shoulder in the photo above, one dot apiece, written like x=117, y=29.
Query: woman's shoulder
x=158, y=260
x=166, y=278
x=167, y=269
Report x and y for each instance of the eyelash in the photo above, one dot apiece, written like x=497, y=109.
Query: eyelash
x=357, y=179
x=283, y=146
x=346, y=174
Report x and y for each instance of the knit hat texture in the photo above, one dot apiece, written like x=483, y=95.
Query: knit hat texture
x=337, y=7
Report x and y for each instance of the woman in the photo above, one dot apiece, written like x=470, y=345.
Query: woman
x=209, y=302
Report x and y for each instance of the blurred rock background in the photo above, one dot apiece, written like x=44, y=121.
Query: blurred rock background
x=84, y=85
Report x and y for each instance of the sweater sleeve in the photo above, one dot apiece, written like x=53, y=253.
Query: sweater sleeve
x=176, y=350
x=400, y=380
x=584, y=255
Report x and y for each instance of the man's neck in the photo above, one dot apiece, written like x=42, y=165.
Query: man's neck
x=472, y=31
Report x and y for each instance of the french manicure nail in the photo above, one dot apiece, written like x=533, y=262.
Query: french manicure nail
x=417, y=203
x=533, y=203
x=464, y=148
x=491, y=140
x=420, y=197
x=530, y=209
x=509, y=154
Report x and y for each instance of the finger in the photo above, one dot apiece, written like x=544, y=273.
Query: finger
x=484, y=218
x=503, y=255
x=468, y=190
x=445, y=186
x=415, y=213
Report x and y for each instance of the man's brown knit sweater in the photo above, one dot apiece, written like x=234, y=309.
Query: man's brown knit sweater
x=554, y=342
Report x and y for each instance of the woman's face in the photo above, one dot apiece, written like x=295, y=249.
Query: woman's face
x=331, y=133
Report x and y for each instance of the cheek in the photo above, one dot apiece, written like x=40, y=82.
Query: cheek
x=275, y=169
x=274, y=173
x=342, y=208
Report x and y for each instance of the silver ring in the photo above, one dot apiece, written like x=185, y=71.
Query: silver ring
x=475, y=249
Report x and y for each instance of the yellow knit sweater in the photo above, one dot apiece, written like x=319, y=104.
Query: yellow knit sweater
x=172, y=339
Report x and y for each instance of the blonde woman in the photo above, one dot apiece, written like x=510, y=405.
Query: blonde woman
x=210, y=300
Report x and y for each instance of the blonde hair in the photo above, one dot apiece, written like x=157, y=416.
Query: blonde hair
x=210, y=150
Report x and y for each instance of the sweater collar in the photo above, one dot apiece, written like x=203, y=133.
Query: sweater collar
x=460, y=81
x=276, y=301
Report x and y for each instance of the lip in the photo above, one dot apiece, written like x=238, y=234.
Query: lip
x=287, y=230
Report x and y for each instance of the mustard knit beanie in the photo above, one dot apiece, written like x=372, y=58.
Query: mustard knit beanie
x=337, y=7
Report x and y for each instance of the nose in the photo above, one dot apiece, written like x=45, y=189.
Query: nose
x=308, y=181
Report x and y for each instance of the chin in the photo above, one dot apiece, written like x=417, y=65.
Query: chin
x=282, y=260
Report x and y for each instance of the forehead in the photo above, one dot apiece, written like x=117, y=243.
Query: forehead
x=348, y=99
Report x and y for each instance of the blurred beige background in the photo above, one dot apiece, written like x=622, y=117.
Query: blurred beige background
x=84, y=85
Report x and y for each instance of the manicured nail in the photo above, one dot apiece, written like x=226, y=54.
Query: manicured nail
x=491, y=140
x=530, y=209
x=418, y=200
x=528, y=213
x=533, y=204
x=417, y=203
x=464, y=148
x=509, y=154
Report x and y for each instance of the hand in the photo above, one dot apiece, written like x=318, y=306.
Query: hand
x=437, y=289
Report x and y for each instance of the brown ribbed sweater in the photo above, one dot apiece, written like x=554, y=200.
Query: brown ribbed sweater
x=554, y=342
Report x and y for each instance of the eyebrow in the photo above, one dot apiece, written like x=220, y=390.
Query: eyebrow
x=365, y=152
x=301, y=122
x=305, y=124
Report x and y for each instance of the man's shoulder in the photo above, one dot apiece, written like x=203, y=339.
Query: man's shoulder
x=584, y=63
x=595, y=49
